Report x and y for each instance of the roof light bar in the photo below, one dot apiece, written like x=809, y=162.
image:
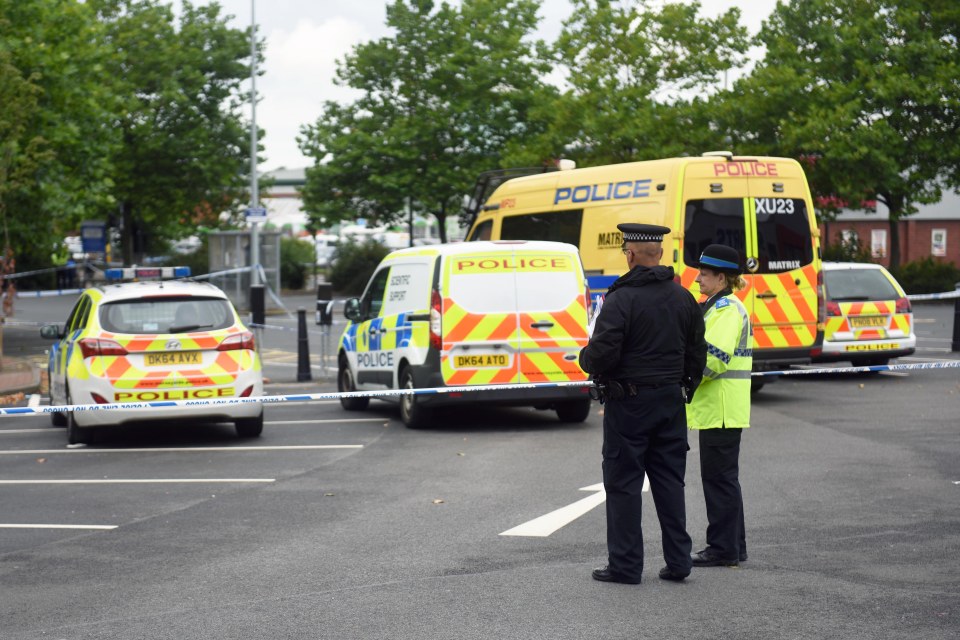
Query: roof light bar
x=147, y=273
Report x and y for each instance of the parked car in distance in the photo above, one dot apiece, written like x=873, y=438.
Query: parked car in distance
x=869, y=319
x=326, y=246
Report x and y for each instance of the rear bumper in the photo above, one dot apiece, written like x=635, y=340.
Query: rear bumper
x=847, y=350
x=209, y=413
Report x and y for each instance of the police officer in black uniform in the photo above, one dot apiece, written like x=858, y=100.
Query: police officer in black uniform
x=647, y=355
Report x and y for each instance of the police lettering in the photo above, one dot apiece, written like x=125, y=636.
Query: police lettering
x=511, y=264
x=745, y=169
x=172, y=394
x=601, y=192
x=375, y=359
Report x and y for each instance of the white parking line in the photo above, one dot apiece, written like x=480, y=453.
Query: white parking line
x=273, y=422
x=134, y=481
x=94, y=527
x=3, y=431
x=309, y=447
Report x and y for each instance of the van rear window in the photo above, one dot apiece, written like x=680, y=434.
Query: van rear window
x=557, y=226
x=783, y=231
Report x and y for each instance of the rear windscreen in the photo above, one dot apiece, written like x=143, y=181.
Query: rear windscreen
x=558, y=226
x=858, y=285
x=783, y=231
x=166, y=315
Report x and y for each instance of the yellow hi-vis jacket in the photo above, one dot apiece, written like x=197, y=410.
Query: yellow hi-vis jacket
x=723, y=398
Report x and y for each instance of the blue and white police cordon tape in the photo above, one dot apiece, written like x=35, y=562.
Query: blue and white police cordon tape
x=921, y=297
x=393, y=393
x=292, y=398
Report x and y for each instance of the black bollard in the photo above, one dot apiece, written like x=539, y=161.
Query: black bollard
x=257, y=307
x=956, y=323
x=303, y=347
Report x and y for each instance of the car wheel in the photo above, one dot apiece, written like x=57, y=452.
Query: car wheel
x=58, y=418
x=345, y=384
x=75, y=433
x=249, y=427
x=412, y=412
x=756, y=385
x=574, y=411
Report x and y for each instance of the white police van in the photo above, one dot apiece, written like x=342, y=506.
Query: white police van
x=470, y=314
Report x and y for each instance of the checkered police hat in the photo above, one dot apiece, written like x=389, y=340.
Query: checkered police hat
x=635, y=232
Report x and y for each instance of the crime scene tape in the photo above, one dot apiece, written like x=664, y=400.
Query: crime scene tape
x=292, y=398
x=920, y=297
x=387, y=393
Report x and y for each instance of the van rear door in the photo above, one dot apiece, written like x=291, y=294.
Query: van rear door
x=512, y=315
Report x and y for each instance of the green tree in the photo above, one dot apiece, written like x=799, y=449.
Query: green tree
x=633, y=67
x=867, y=92
x=439, y=101
x=184, y=148
x=56, y=140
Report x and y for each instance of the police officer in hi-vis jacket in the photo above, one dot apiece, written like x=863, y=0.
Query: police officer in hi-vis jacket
x=721, y=409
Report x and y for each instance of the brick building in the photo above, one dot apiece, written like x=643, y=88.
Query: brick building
x=933, y=231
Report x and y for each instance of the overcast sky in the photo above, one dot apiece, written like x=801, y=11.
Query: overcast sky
x=305, y=38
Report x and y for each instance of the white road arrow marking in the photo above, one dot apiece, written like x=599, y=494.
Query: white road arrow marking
x=546, y=524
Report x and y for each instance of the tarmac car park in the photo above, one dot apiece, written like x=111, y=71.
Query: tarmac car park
x=145, y=341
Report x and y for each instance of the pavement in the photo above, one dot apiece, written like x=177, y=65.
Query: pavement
x=23, y=366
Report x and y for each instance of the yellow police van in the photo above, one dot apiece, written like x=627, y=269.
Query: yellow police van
x=465, y=314
x=761, y=206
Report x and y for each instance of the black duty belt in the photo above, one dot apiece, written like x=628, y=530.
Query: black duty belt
x=604, y=390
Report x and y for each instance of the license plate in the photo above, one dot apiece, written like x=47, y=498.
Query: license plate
x=868, y=321
x=173, y=358
x=482, y=361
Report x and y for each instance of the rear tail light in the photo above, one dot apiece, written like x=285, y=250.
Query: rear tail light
x=247, y=392
x=833, y=309
x=242, y=340
x=903, y=305
x=436, y=325
x=90, y=347
x=586, y=293
x=99, y=399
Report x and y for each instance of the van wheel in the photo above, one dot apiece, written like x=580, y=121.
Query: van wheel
x=756, y=385
x=75, y=433
x=249, y=427
x=574, y=411
x=58, y=418
x=413, y=413
x=345, y=384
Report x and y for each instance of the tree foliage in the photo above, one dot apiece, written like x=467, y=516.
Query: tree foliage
x=867, y=92
x=439, y=101
x=183, y=153
x=632, y=69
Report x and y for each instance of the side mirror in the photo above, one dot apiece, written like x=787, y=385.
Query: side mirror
x=351, y=309
x=51, y=332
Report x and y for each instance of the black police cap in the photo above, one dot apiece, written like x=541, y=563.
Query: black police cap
x=636, y=232
x=722, y=258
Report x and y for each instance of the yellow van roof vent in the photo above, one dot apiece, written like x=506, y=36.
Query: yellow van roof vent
x=718, y=154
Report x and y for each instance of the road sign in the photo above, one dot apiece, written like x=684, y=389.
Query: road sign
x=255, y=214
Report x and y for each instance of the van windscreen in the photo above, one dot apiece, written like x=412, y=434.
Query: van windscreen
x=783, y=231
x=557, y=226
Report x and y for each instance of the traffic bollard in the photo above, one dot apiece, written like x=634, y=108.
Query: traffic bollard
x=303, y=347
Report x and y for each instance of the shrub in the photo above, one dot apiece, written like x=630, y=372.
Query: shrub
x=847, y=251
x=295, y=257
x=354, y=265
x=927, y=276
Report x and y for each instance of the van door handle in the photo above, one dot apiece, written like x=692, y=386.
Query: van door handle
x=542, y=325
x=374, y=331
x=767, y=294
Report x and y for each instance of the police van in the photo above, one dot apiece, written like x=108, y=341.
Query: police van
x=761, y=206
x=481, y=313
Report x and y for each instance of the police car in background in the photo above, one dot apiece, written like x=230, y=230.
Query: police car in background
x=869, y=318
x=153, y=340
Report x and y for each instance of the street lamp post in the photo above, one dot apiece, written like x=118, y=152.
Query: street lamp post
x=254, y=182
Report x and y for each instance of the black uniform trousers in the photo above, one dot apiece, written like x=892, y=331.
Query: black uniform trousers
x=720, y=473
x=645, y=433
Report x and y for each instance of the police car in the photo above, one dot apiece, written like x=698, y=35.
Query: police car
x=153, y=340
x=868, y=316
